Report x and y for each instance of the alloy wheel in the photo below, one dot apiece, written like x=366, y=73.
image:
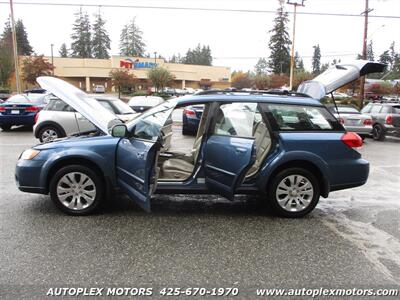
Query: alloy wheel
x=294, y=193
x=76, y=191
x=49, y=135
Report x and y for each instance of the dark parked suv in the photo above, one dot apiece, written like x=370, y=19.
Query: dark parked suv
x=385, y=117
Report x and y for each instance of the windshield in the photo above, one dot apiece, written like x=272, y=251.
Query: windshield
x=145, y=101
x=121, y=108
x=344, y=110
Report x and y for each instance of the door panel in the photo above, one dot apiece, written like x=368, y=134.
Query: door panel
x=136, y=172
x=226, y=161
x=66, y=119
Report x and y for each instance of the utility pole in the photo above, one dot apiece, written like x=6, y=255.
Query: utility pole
x=15, y=49
x=52, y=59
x=155, y=58
x=295, y=4
x=364, y=53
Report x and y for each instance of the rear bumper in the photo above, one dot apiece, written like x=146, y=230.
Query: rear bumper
x=361, y=130
x=28, y=119
x=349, y=174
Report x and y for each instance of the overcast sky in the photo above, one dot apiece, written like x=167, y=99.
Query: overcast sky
x=236, y=39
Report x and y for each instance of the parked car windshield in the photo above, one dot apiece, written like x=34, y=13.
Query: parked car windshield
x=116, y=106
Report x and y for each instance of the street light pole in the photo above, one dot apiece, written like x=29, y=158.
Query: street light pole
x=364, y=54
x=155, y=58
x=15, y=49
x=52, y=58
x=295, y=4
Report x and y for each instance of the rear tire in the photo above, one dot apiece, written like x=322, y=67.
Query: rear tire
x=5, y=127
x=48, y=134
x=293, y=193
x=77, y=190
x=378, y=132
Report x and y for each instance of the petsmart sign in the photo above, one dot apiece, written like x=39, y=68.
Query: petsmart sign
x=130, y=63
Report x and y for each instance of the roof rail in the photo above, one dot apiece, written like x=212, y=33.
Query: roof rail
x=233, y=91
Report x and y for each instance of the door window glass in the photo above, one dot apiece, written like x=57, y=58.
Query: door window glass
x=301, y=118
x=150, y=126
x=376, y=109
x=236, y=119
x=386, y=109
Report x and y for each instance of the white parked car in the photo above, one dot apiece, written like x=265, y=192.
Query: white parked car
x=58, y=119
x=99, y=89
x=142, y=103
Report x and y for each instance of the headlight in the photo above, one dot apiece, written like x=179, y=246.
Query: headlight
x=29, y=154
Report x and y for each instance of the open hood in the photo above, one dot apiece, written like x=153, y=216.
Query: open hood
x=338, y=76
x=89, y=107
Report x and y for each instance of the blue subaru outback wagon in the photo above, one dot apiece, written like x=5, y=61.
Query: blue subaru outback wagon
x=288, y=149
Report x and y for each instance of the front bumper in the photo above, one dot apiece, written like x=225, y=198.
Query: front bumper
x=27, y=176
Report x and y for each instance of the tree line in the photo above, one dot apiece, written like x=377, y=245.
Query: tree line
x=273, y=71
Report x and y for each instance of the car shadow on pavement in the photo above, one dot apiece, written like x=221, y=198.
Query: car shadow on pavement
x=18, y=129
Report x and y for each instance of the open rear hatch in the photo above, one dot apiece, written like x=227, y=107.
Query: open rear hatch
x=338, y=76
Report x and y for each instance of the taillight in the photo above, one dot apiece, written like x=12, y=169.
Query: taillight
x=2, y=109
x=37, y=117
x=32, y=109
x=389, y=119
x=367, y=122
x=341, y=121
x=189, y=112
x=352, y=139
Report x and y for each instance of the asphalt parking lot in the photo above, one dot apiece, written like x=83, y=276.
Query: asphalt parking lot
x=351, y=240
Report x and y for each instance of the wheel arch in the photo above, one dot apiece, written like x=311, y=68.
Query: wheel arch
x=305, y=164
x=82, y=161
x=49, y=123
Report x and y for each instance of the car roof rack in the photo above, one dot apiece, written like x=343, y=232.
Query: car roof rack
x=233, y=91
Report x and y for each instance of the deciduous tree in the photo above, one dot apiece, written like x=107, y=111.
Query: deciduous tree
x=122, y=79
x=33, y=67
x=160, y=77
x=241, y=80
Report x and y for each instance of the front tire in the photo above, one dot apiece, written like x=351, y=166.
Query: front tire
x=293, y=193
x=378, y=132
x=77, y=190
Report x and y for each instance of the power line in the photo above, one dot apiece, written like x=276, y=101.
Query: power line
x=305, y=56
x=195, y=9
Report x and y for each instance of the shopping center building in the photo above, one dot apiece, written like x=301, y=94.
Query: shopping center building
x=86, y=73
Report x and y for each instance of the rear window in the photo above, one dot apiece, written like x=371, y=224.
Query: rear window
x=396, y=109
x=302, y=118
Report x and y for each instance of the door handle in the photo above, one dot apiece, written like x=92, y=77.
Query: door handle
x=140, y=154
x=240, y=150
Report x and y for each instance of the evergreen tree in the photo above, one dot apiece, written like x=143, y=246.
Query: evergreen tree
x=23, y=45
x=176, y=59
x=81, y=37
x=370, y=51
x=131, y=40
x=385, y=58
x=63, y=50
x=261, y=67
x=316, y=60
x=201, y=55
x=393, y=54
x=101, y=41
x=24, y=48
x=279, y=43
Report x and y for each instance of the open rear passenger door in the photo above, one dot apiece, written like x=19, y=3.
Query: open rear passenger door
x=229, y=150
x=137, y=154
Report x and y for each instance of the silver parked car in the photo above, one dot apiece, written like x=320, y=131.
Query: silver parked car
x=58, y=119
x=352, y=119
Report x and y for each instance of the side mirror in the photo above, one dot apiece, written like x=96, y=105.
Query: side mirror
x=119, y=130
